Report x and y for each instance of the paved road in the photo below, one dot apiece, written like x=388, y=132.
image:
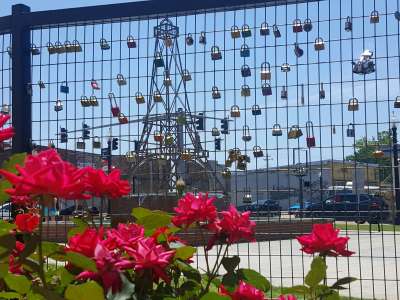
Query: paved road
x=376, y=263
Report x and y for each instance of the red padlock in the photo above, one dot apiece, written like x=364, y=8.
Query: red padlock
x=114, y=107
x=310, y=139
x=115, y=111
x=122, y=119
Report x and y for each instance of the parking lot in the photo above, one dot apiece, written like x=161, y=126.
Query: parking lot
x=376, y=261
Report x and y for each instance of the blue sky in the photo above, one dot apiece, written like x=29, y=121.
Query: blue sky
x=332, y=67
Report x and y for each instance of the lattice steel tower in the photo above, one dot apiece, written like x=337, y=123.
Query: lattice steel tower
x=169, y=119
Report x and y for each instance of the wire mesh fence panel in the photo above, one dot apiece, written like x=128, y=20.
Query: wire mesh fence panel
x=286, y=108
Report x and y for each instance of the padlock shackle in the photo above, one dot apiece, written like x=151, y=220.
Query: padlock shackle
x=309, y=129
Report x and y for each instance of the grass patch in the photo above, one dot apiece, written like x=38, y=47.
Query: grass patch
x=367, y=227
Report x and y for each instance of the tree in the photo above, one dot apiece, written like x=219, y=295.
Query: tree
x=364, y=152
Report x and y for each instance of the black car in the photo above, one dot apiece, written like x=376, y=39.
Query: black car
x=262, y=208
x=349, y=207
x=76, y=210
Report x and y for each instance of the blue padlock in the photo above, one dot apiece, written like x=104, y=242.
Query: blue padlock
x=64, y=88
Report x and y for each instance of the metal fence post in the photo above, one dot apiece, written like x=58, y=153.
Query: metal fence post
x=21, y=79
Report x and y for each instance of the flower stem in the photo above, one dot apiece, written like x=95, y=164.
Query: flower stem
x=41, y=265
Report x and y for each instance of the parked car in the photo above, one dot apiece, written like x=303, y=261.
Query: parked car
x=360, y=208
x=76, y=210
x=262, y=208
x=296, y=207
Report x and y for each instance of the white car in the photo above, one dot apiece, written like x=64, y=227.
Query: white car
x=5, y=211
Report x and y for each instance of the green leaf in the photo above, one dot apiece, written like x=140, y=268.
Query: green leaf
x=317, y=272
x=297, y=289
x=342, y=281
x=15, y=159
x=230, y=281
x=31, y=242
x=214, y=296
x=81, y=261
x=18, y=283
x=185, y=252
x=3, y=270
x=333, y=296
x=140, y=212
x=10, y=295
x=188, y=271
x=231, y=263
x=65, y=277
x=46, y=293
x=34, y=296
x=254, y=278
x=4, y=185
x=128, y=289
x=155, y=220
x=49, y=248
x=87, y=290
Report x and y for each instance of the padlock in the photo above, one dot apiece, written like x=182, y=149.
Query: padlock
x=94, y=85
x=257, y=151
x=396, y=103
x=397, y=15
x=235, y=111
x=322, y=91
x=319, y=44
x=226, y=173
x=104, y=44
x=245, y=70
x=215, y=132
x=235, y=32
x=350, y=130
x=353, y=104
x=121, y=80
x=256, y=110
x=333, y=129
x=139, y=98
x=348, y=25
x=168, y=41
x=122, y=119
x=246, y=32
x=277, y=32
x=285, y=68
x=93, y=101
x=50, y=48
x=297, y=27
x=297, y=50
x=215, y=53
x=284, y=93
x=378, y=154
x=228, y=163
x=233, y=154
x=247, y=197
x=64, y=88
x=276, y=130
x=35, y=50
x=245, y=91
x=215, y=93
x=58, y=106
x=5, y=109
x=241, y=166
x=307, y=26
x=186, y=155
x=60, y=48
x=80, y=144
x=244, y=51
x=157, y=97
x=96, y=142
x=202, y=38
x=189, y=39
x=264, y=29
x=167, y=79
x=77, y=46
x=169, y=140
x=186, y=75
x=85, y=101
x=115, y=111
x=246, y=137
x=266, y=89
x=374, y=18
x=265, y=71
x=158, y=137
x=69, y=48
x=310, y=139
x=158, y=60
x=41, y=84
x=294, y=132
x=130, y=41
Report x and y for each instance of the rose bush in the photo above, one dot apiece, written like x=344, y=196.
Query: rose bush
x=141, y=260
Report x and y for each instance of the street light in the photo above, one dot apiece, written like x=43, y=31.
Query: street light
x=395, y=166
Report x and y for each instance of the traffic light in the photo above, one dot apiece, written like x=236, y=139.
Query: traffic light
x=225, y=126
x=86, y=132
x=218, y=144
x=63, y=135
x=200, y=121
x=115, y=143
